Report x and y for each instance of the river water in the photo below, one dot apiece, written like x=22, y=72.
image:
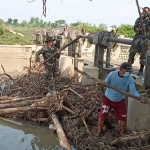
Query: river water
x=26, y=137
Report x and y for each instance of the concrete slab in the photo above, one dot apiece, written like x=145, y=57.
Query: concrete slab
x=66, y=65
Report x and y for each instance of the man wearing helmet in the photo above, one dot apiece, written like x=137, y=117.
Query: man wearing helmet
x=51, y=67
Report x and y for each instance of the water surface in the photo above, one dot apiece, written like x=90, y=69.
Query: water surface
x=26, y=137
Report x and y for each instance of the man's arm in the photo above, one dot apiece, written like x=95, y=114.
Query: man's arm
x=134, y=91
x=132, y=88
x=107, y=80
x=37, y=55
x=137, y=26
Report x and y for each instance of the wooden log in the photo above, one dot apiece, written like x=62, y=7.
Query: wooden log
x=40, y=119
x=76, y=93
x=60, y=133
x=12, y=121
x=110, y=86
x=69, y=110
x=22, y=103
x=14, y=110
x=5, y=99
x=130, y=137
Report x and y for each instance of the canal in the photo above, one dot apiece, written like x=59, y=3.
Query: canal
x=26, y=136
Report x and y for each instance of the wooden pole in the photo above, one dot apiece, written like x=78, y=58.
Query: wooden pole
x=14, y=110
x=60, y=133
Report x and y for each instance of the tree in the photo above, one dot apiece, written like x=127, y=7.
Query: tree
x=15, y=21
x=23, y=23
x=103, y=26
x=32, y=20
x=126, y=30
x=9, y=21
x=54, y=25
x=60, y=22
x=37, y=21
x=1, y=28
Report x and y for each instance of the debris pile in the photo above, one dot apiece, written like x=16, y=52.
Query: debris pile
x=30, y=96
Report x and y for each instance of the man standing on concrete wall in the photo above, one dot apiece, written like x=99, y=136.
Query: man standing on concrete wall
x=112, y=99
x=139, y=30
x=51, y=67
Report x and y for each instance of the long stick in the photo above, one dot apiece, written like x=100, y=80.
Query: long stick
x=110, y=86
x=6, y=73
x=130, y=137
x=76, y=93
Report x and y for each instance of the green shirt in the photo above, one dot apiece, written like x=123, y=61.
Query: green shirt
x=138, y=25
x=47, y=52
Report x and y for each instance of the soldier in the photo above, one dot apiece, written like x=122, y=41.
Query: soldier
x=51, y=67
x=139, y=30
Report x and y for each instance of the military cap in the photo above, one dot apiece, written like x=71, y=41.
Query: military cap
x=49, y=39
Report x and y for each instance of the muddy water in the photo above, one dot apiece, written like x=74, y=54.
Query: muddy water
x=26, y=137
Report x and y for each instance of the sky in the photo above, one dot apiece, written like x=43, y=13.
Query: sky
x=109, y=12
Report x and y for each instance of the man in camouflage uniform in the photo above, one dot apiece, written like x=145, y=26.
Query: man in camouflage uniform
x=51, y=67
x=139, y=30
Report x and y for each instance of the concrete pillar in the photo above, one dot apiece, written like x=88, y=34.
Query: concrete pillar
x=92, y=71
x=66, y=65
x=79, y=63
x=138, y=116
x=147, y=69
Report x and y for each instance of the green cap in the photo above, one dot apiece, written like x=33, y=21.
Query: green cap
x=49, y=39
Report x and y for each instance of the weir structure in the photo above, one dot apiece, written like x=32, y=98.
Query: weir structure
x=106, y=40
x=138, y=113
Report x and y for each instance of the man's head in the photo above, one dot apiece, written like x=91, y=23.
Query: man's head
x=146, y=10
x=125, y=69
x=50, y=41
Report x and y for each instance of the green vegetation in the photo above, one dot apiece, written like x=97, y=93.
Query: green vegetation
x=28, y=28
x=126, y=30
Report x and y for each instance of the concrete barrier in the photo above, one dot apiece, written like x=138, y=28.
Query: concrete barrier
x=14, y=57
x=79, y=63
x=66, y=65
x=138, y=116
x=93, y=71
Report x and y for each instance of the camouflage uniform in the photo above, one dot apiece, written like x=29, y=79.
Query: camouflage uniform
x=138, y=31
x=51, y=67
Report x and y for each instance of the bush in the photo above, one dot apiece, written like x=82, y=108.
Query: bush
x=126, y=30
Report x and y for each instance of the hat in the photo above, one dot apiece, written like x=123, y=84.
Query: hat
x=49, y=39
x=126, y=66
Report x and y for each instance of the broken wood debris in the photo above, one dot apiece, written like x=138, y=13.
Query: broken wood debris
x=77, y=108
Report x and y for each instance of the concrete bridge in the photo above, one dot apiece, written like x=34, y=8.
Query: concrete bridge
x=16, y=57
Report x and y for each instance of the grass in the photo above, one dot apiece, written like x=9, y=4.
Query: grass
x=8, y=38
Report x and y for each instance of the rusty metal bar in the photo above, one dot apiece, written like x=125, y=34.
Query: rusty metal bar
x=119, y=40
x=112, y=39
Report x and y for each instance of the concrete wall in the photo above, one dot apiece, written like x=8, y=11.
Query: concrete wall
x=14, y=57
x=92, y=71
x=138, y=116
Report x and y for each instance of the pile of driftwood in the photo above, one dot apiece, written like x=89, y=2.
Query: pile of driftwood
x=71, y=107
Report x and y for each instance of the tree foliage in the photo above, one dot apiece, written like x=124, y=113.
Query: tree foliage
x=89, y=28
x=27, y=28
x=126, y=30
